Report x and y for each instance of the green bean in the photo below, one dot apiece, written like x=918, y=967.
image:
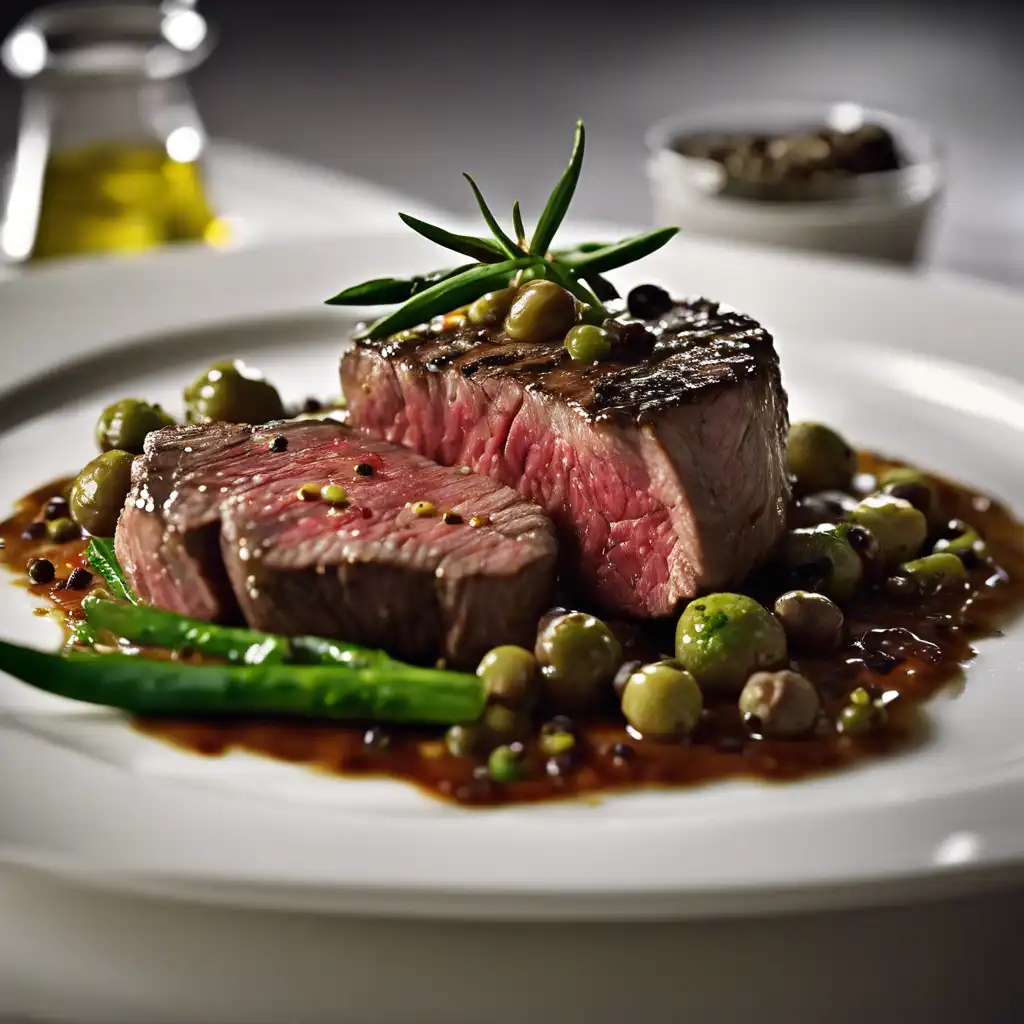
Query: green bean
x=386, y=692
x=100, y=554
x=155, y=627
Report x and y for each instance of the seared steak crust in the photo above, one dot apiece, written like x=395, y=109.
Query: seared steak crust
x=665, y=474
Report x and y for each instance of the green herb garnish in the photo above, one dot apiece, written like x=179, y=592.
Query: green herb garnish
x=100, y=555
x=502, y=260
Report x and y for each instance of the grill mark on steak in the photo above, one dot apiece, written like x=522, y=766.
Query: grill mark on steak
x=700, y=345
x=369, y=571
x=665, y=476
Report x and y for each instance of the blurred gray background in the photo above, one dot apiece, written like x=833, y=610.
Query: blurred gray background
x=410, y=94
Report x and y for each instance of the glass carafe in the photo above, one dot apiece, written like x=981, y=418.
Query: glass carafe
x=110, y=144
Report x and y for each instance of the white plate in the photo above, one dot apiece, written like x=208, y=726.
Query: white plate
x=882, y=355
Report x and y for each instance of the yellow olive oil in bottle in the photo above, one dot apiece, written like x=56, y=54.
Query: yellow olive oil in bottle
x=110, y=144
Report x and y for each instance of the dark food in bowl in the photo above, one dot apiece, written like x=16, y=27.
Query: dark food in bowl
x=216, y=528
x=805, y=164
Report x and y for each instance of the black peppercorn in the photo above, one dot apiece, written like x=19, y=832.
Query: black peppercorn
x=376, y=739
x=363, y=469
x=451, y=518
x=56, y=508
x=621, y=753
x=79, y=579
x=34, y=531
x=648, y=301
x=278, y=443
x=312, y=405
x=40, y=570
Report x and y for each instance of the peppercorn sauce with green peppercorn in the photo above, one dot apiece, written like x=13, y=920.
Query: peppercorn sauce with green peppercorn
x=900, y=648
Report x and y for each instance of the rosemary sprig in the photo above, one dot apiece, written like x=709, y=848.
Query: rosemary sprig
x=517, y=223
x=447, y=295
x=483, y=250
x=510, y=248
x=561, y=196
x=500, y=261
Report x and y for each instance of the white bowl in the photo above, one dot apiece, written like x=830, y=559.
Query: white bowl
x=883, y=215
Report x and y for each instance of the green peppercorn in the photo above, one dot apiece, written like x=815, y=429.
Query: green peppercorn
x=334, y=494
x=861, y=715
x=422, y=509
x=553, y=744
x=507, y=763
x=62, y=531
x=587, y=343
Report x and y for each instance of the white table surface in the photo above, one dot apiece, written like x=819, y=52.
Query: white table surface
x=69, y=954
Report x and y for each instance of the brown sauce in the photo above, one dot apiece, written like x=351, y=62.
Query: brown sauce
x=904, y=650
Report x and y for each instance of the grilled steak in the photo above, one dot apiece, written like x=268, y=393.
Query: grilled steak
x=215, y=528
x=665, y=473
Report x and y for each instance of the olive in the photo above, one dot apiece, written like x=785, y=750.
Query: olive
x=589, y=344
x=648, y=301
x=819, y=458
x=934, y=571
x=556, y=744
x=662, y=701
x=491, y=308
x=811, y=621
x=230, y=392
x=542, y=311
x=822, y=558
x=510, y=674
x=965, y=542
x=779, y=704
x=578, y=656
x=899, y=528
x=99, y=492
x=125, y=424
x=723, y=638
x=913, y=486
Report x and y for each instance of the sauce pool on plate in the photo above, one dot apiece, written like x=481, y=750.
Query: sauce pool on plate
x=901, y=652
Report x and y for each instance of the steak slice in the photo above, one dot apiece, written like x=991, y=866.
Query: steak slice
x=215, y=528
x=665, y=475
